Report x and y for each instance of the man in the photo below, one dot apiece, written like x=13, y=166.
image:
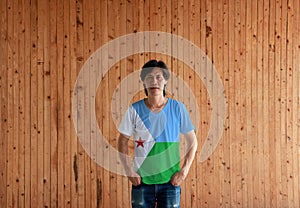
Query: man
x=156, y=123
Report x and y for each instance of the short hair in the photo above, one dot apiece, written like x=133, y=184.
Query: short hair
x=149, y=66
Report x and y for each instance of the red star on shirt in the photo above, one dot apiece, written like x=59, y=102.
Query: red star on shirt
x=140, y=142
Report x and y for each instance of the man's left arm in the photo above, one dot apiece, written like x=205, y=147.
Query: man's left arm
x=192, y=143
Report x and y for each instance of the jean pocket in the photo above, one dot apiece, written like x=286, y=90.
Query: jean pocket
x=174, y=185
x=136, y=187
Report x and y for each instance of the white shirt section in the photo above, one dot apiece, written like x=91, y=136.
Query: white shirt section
x=132, y=125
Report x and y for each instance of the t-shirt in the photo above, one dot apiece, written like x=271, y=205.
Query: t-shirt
x=156, y=139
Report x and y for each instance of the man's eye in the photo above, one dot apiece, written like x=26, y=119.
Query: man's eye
x=149, y=78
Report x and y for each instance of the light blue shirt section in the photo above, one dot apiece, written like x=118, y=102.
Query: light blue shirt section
x=166, y=125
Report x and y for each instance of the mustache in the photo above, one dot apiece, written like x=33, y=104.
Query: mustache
x=154, y=87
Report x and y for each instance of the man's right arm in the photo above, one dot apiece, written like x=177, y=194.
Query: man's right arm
x=127, y=164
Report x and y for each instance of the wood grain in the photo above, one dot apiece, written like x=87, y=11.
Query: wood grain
x=254, y=46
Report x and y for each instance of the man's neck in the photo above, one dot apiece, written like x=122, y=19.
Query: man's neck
x=156, y=101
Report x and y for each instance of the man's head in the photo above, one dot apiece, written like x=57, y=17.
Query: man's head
x=154, y=75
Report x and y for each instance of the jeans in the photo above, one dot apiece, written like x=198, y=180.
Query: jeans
x=163, y=195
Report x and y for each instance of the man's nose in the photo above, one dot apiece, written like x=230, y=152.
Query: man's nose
x=155, y=80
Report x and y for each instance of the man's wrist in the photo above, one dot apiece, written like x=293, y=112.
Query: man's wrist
x=184, y=171
x=131, y=173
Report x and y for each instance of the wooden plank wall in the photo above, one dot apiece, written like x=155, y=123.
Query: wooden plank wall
x=255, y=46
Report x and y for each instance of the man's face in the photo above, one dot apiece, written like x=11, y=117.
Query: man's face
x=155, y=81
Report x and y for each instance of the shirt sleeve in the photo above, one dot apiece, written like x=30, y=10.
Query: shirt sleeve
x=186, y=124
x=126, y=125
